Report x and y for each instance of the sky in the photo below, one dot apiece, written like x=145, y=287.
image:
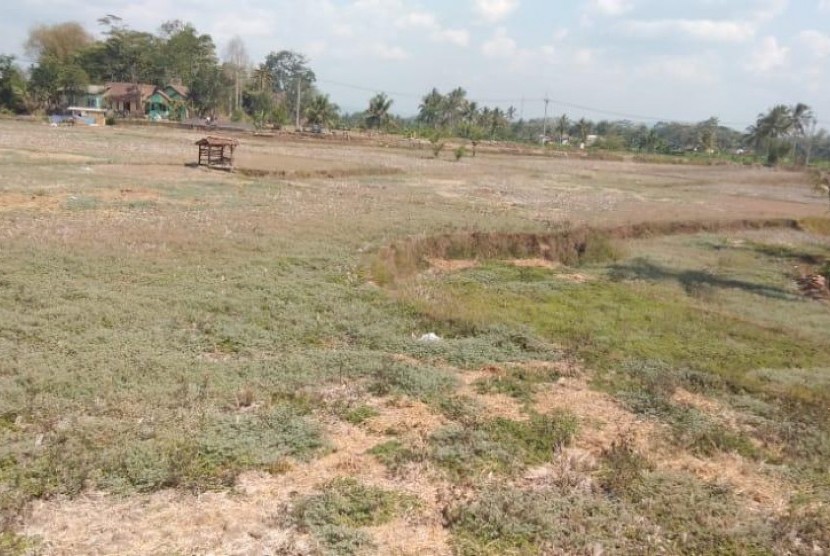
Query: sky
x=644, y=60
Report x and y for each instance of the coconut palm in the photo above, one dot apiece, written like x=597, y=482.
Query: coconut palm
x=769, y=129
x=453, y=106
x=803, y=118
x=431, y=108
x=321, y=111
x=377, y=115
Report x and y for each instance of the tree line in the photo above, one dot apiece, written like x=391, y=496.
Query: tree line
x=282, y=89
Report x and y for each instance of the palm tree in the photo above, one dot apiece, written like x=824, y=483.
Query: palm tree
x=377, y=115
x=802, y=116
x=769, y=128
x=430, y=110
x=495, y=120
x=453, y=105
x=321, y=111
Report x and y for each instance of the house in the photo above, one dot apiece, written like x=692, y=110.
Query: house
x=144, y=100
x=92, y=96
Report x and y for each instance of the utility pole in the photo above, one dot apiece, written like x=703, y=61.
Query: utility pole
x=545, y=124
x=299, y=97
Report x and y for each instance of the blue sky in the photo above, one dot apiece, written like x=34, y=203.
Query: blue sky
x=650, y=58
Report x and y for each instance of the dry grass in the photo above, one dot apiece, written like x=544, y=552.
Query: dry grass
x=145, y=305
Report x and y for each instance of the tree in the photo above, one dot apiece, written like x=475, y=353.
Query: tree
x=237, y=59
x=262, y=77
x=12, y=85
x=453, y=106
x=803, y=118
x=290, y=74
x=59, y=42
x=562, y=125
x=321, y=111
x=769, y=129
x=377, y=115
x=431, y=109
x=185, y=53
x=707, y=134
x=207, y=89
x=584, y=126
x=493, y=120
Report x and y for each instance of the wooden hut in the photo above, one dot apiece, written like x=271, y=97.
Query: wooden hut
x=217, y=152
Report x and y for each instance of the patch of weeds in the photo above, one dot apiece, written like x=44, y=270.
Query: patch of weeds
x=622, y=468
x=344, y=505
x=462, y=409
x=698, y=518
x=421, y=382
x=700, y=435
x=517, y=382
x=470, y=346
x=506, y=520
x=804, y=527
x=343, y=541
x=500, y=445
x=537, y=438
x=257, y=440
x=648, y=392
x=298, y=401
x=12, y=544
x=144, y=204
x=360, y=414
x=81, y=202
x=394, y=455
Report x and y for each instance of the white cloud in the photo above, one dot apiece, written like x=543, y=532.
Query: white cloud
x=561, y=34
x=428, y=21
x=418, y=19
x=770, y=9
x=707, y=30
x=683, y=69
x=500, y=45
x=818, y=43
x=458, y=37
x=769, y=56
x=495, y=10
x=386, y=52
x=610, y=7
x=824, y=5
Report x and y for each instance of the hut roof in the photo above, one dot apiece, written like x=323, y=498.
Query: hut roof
x=216, y=141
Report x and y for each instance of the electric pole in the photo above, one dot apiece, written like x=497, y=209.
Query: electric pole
x=545, y=124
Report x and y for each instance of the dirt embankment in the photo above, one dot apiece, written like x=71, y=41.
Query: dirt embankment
x=569, y=246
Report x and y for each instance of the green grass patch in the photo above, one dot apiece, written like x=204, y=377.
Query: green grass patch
x=609, y=324
x=343, y=506
x=517, y=381
x=360, y=414
x=500, y=445
x=420, y=382
x=395, y=455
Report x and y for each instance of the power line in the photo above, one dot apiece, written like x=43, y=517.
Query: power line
x=522, y=100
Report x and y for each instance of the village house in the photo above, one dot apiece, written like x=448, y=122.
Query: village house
x=143, y=100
